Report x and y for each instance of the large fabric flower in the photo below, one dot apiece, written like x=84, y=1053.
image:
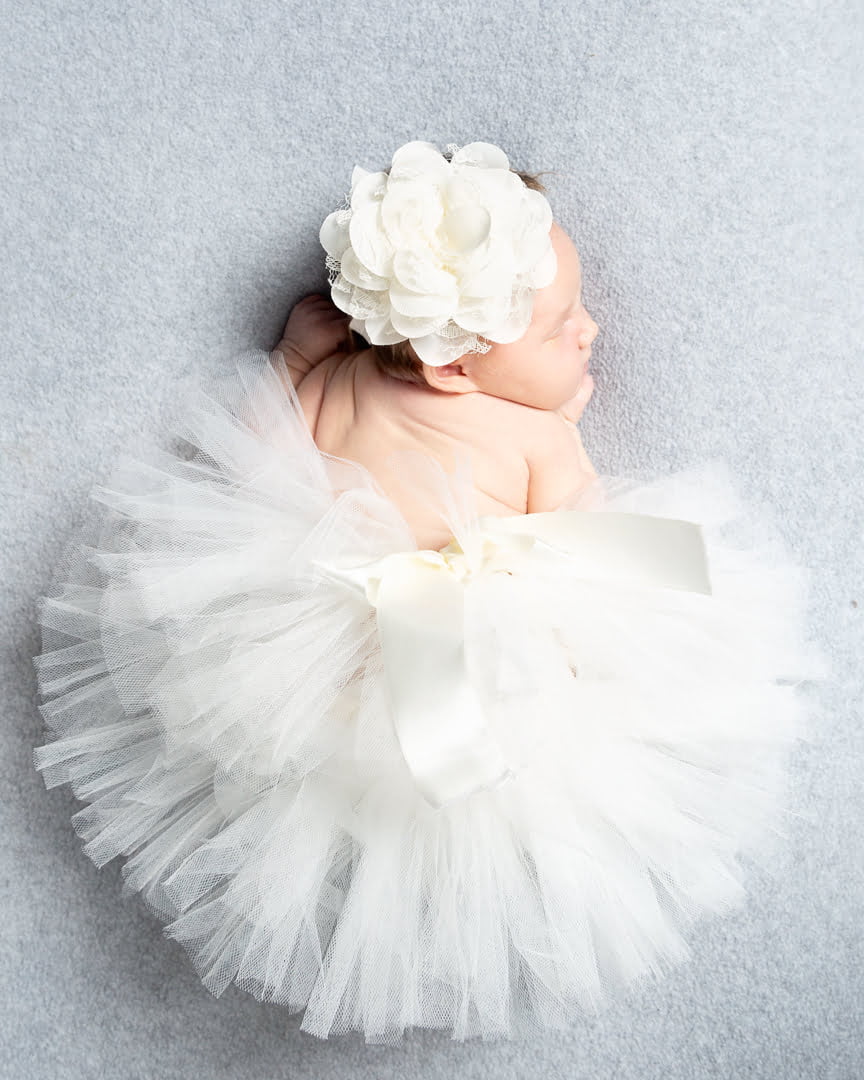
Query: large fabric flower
x=440, y=253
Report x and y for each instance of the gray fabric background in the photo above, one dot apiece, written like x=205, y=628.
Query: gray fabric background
x=165, y=169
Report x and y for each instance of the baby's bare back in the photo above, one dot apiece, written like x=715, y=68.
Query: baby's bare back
x=356, y=412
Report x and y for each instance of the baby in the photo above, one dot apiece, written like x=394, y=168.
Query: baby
x=514, y=407
x=482, y=791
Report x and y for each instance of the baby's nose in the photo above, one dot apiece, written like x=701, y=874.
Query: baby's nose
x=590, y=332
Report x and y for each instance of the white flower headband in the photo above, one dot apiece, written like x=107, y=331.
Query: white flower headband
x=440, y=252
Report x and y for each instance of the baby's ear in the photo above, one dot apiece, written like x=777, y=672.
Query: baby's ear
x=451, y=378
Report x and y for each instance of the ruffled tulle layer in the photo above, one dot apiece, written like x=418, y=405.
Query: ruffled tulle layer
x=222, y=711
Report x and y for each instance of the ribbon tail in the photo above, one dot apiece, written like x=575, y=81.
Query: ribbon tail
x=438, y=716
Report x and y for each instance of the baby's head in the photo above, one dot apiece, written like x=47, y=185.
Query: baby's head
x=545, y=367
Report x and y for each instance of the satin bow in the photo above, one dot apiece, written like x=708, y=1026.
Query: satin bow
x=419, y=596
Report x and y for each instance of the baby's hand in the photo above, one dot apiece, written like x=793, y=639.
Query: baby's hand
x=572, y=410
x=316, y=329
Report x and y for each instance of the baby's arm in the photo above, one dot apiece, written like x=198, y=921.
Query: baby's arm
x=297, y=367
x=558, y=465
x=580, y=448
x=315, y=331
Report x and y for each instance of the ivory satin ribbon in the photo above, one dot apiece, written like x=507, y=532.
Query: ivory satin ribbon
x=419, y=598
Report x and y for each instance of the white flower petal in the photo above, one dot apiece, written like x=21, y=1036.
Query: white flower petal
x=410, y=213
x=333, y=234
x=370, y=188
x=546, y=269
x=464, y=228
x=514, y=325
x=355, y=272
x=419, y=305
x=432, y=350
x=477, y=314
x=419, y=272
x=541, y=210
x=487, y=275
x=357, y=174
x=370, y=244
x=410, y=327
x=483, y=155
x=362, y=303
x=494, y=188
x=380, y=331
x=418, y=159
x=530, y=234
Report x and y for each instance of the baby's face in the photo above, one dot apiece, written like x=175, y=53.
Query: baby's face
x=545, y=367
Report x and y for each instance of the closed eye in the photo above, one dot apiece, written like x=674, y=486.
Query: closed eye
x=557, y=333
x=572, y=312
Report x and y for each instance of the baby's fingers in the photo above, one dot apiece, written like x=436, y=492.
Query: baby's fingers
x=574, y=408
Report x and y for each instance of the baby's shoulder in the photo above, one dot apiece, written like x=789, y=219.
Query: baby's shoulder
x=484, y=421
x=536, y=433
x=497, y=432
x=496, y=421
x=325, y=384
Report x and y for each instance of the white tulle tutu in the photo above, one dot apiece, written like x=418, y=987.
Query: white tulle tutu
x=222, y=702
